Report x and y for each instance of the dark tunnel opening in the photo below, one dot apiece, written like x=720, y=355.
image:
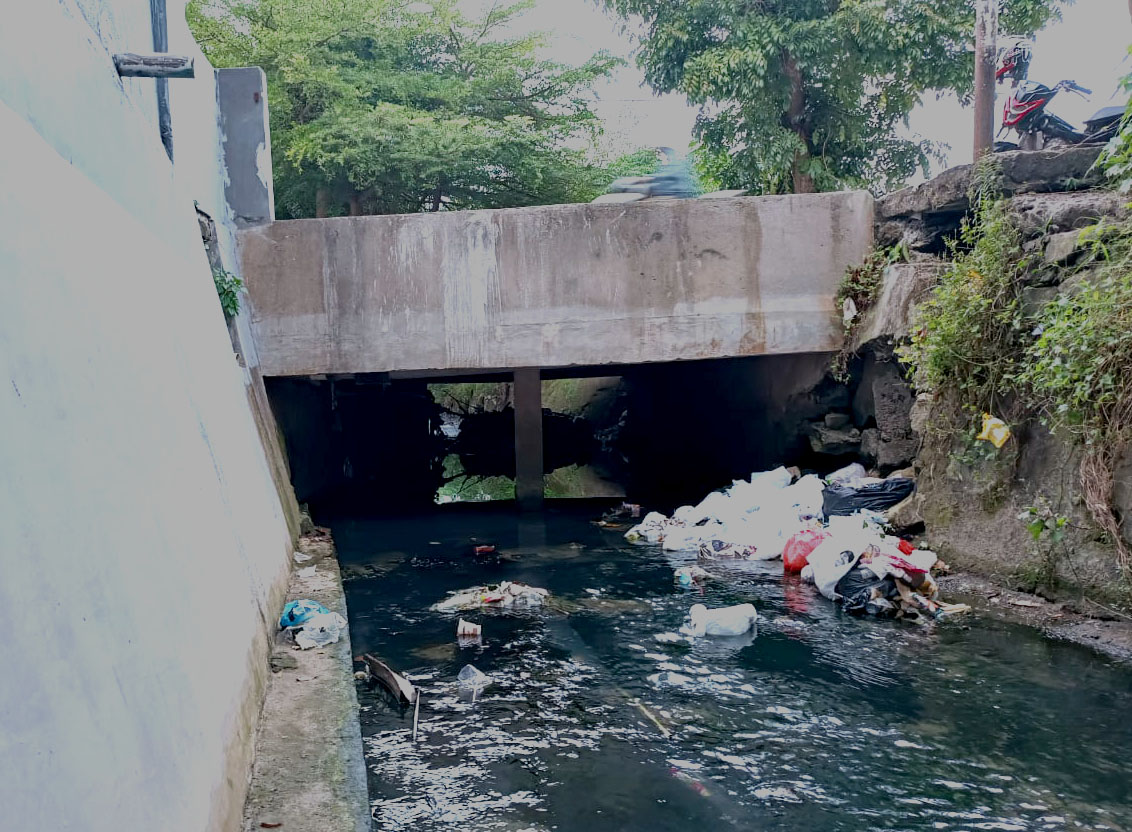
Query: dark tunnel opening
x=657, y=434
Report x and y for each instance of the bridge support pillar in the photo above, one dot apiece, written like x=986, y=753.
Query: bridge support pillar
x=528, y=439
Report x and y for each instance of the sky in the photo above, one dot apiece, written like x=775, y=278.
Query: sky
x=1089, y=46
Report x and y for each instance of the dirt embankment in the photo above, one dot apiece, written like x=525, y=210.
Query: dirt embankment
x=1081, y=622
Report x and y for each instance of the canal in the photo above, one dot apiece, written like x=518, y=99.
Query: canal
x=600, y=717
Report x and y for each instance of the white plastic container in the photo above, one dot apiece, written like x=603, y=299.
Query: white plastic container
x=473, y=679
x=725, y=621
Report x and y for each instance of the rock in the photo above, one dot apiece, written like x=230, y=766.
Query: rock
x=889, y=232
x=1037, y=214
x=892, y=402
x=888, y=454
x=281, y=661
x=1076, y=282
x=1043, y=276
x=1061, y=247
x=306, y=524
x=904, y=286
x=907, y=514
x=1041, y=171
x=921, y=413
x=826, y=440
x=1122, y=494
x=916, y=234
x=836, y=420
x=1035, y=299
x=946, y=192
x=870, y=443
x=897, y=453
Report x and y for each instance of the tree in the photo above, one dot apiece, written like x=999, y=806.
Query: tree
x=805, y=95
x=386, y=106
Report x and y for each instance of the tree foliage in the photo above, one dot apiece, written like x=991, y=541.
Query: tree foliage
x=803, y=95
x=385, y=106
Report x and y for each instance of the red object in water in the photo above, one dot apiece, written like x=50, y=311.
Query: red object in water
x=798, y=548
x=484, y=550
x=905, y=547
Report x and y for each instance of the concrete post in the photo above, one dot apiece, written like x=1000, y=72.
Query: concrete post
x=528, y=439
x=242, y=97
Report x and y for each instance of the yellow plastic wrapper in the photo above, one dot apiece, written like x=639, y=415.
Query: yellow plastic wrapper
x=995, y=431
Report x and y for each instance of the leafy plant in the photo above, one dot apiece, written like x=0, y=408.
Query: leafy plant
x=972, y=345
x=1116, y=160
x=381, y=106
x=805, y=95
x=228, y=288
x=968, y=339
x=1079, y=372
x=1041, y=520
x=857, y=293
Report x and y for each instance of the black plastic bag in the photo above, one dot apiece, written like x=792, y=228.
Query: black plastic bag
x=846, y=499
x=856, y=589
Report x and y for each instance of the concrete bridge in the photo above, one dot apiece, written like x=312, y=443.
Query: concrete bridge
x=531, y=289
x=553, y=286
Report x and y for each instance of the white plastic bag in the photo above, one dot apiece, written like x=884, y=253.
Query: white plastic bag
x=320, y=630
x=847, y=474
x=649, y=530
x=726, y=621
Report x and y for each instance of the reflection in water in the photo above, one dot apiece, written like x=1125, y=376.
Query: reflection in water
x=607, y=719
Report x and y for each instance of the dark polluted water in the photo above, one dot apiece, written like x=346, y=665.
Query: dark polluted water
x=596, y=720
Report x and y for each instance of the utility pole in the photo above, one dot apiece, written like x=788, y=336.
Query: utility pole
x=986, y=33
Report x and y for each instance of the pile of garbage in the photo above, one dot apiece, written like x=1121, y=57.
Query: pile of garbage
x=311, y=624
x=830, y=530
x=507, y=595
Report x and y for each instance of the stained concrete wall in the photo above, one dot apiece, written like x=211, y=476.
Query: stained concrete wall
x=144, y=547
x=553, y=286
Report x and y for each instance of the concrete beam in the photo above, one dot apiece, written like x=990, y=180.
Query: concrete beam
x=528, y=439
x=554, y=286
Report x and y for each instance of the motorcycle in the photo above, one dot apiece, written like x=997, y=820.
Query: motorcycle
x=672, y=180
x=1026, y=113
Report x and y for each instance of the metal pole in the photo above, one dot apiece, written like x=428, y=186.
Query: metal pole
x=159, y=24
x=986, y=33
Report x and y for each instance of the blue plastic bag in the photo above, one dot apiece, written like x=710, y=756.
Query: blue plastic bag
x=297, y=613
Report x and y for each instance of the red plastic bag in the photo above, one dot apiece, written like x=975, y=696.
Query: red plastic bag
x=905, y=547
x=798, y=548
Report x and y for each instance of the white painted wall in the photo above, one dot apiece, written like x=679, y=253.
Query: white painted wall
x=143, y=547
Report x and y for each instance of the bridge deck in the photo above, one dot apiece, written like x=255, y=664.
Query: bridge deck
x=553, y=286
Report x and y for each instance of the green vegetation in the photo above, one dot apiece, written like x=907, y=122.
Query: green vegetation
x=1117, y=157
x=228, y=288
x=861, y=288
x=385, y=106
x=969, y=338
x=461, y=487
x=1070, y=365
x=804, y=95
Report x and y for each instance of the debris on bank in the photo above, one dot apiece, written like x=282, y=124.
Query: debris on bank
x=311, y=624
x=832, y=531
